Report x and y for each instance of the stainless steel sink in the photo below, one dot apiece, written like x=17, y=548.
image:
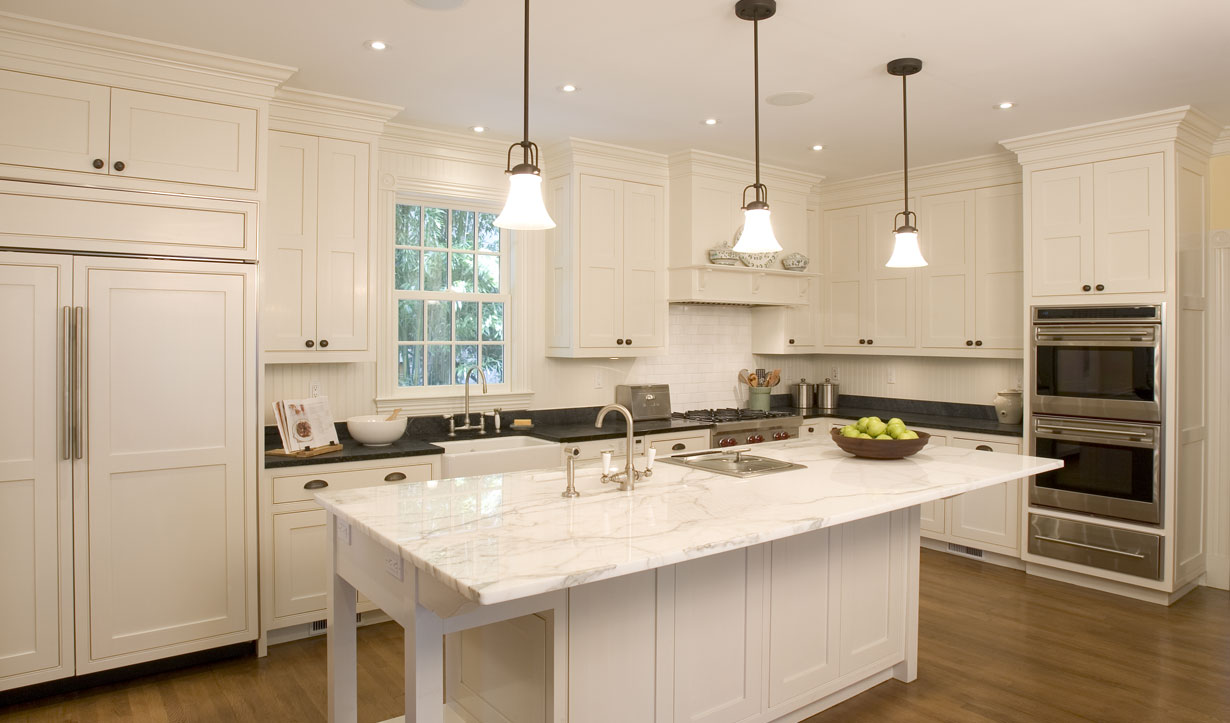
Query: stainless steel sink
x=732, y=462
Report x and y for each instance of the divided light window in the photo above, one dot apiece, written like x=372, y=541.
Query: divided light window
x=450, y=285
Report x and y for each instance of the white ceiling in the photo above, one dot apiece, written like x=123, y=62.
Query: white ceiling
x=651, y=70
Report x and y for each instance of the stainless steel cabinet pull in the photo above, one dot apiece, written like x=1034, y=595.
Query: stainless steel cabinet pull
x=1056, y=429
x=315, y=484
x=66, y=340
x=395, y=477
x=1083, y=546
x=79, y=383
x=679, y=447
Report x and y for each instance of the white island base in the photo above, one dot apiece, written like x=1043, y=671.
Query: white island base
x=772, y=632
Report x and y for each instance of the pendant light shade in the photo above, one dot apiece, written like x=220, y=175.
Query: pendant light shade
x=906, y=253
x=757, y=236
x=524, y=209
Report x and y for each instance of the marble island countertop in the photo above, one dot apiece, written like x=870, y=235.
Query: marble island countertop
x=501, y=537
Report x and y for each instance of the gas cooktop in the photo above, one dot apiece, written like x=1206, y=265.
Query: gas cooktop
x=745, y=426
x=728, y=415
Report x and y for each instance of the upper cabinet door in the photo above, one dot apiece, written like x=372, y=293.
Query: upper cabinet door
x=600, y=243
x=644, y=282
x=341, y=302
x=946, y=301
x=36, y=637
x=53, y=123
x=998, y=259
x=1129, y=244
x=1062, y=229
x=890, y=315
x=288, y=248
x=844, y=276
x=189, y=141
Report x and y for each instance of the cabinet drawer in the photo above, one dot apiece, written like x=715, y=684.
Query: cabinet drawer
x=676, y=445
x=300, y=487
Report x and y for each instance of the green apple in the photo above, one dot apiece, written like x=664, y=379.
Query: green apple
x=883, y=436
x=875, y=427
x=862, y=424
x=895, y=429
x=896, y=420
x=909, y=434
x=875, y=419
x=850, y=431
x=864, y=435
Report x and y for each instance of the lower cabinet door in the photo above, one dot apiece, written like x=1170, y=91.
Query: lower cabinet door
x=300, y=555
x=498, y=672
x=988, y=517
x=803, y=607
x=872, y=594
x=612, y=637
x=933, y=517
x=718, y=614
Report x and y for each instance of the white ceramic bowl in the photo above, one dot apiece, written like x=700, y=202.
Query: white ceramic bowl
x=372, y=430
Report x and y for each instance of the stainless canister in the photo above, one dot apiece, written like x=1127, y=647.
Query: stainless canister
x=826, y=396
x=804, y=394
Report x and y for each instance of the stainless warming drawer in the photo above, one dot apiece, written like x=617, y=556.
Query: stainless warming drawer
x=1100, y=546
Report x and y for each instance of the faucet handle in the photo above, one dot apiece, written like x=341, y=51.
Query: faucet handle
x=650, y=454
x=606, y=461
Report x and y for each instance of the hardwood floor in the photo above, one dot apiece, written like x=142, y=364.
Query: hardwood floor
x=994, y=645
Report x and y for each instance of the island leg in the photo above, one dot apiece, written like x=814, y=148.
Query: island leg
x=341, y=640
x=424, y=668
x=907, y=670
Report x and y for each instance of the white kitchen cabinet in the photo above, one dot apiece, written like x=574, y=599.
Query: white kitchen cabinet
x=788, y=329
x=718, y=609
x=315, y=257
x=164, y=517
x=872, y=595
x=934, y=515
x=670, y=443
x=612, y=628
x=999, y=259
x=67, y=125
x=1099, y=228
x=36, y=607
x=804, y=609
x=608, y=264
x=990, y=517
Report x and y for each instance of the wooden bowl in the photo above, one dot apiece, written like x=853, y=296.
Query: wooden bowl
x=880, y=448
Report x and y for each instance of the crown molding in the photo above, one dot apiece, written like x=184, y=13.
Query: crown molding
x=295, y=108
x=427, y=141
x=996, y=169
x=704, y=163
x=566, y=156
x=1183, y=124
x=1222, y=145
x=44, y=47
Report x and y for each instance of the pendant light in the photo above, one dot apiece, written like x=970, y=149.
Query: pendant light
x=524, y=209
x=757, y=236
x=906, y=253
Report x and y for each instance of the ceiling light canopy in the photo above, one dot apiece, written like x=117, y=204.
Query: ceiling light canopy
x=790, y=97
x=524, y=209
x=757, y=236
x=906, y=253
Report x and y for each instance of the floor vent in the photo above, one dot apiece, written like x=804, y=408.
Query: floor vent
x=963, y=550
x=319, y=626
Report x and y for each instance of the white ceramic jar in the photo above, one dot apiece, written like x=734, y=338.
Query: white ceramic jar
x=1009, y=406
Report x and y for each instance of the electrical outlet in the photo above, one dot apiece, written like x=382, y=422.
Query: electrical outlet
x=599, y=381
x=392, y=564
x=314, y=389
x=833, y=374
x=343, y=531
x=892, y=375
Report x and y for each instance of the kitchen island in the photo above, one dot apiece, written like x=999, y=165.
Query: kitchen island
x=695, y=597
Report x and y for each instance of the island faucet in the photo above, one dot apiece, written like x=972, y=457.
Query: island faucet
x=626, y=479
x=482, y=428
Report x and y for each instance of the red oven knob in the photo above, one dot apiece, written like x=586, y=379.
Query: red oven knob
x=726, y=442
x=754, y=438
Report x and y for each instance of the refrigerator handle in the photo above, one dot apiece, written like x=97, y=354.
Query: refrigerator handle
x=66, y=339
x=79, y=383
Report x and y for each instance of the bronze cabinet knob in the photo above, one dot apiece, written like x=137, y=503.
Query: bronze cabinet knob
x=862, y=341
x=619, y=342
x=119, y=165
x=324, y=343
x=1086, y=287
x=98, y=163
x=309, y=343
x=1100, y=287
x=978, y=343
x=969, y=342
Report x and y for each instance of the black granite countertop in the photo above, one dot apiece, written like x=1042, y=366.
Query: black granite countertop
x=351, y=451
x=585, y=432
x=951, y=416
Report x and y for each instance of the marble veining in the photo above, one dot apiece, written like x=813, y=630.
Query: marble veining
x=501, y=537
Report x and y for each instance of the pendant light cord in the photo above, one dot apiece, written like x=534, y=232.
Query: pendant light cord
x=525, y=140
x=905, y=146
x=756, y=98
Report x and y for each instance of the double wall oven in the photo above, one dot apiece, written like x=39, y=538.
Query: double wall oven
x=1096, y=403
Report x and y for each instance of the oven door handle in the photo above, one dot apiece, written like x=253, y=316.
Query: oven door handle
x=1084, y=546
x=1120, y=439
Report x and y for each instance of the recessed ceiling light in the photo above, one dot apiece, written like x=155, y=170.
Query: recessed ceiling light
x=817, y=147
x=711, y=121
x=1005, y=105
x=568, y=88
x=790, y=97
x=479, y=129
x=377, y=44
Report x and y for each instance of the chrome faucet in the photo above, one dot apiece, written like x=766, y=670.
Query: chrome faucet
x=482, y=428
x=626, y=479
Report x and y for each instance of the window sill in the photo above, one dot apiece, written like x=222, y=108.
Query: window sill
x=452, y=403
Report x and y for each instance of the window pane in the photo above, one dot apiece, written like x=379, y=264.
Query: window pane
x=435, y=227
x=435, y=270
x=463, y=230
x=409, y=320
x=466, y=319
x=406, y=271
x=407, y=233
x=493, y=363
x=463, y=273
x=488, y=234
x=467, y=356
x=488, y=274
x=493, y=322
x=439, y=364
x=410, y=366
x=439, y=321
